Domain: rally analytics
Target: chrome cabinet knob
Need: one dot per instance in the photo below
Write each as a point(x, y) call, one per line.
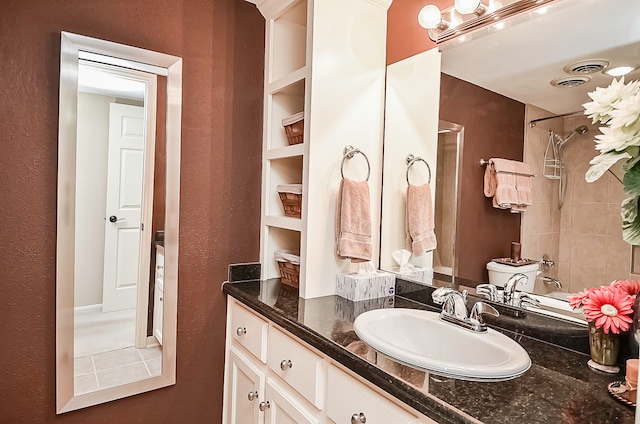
point(252, 396)
point(241, 330)
point(263, 406)
point(286, 364)
point(358, 418)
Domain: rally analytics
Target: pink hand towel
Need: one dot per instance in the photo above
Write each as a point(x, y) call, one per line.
point(523, 184)
point(353, 221)
point(505, 194)
point(419, 223)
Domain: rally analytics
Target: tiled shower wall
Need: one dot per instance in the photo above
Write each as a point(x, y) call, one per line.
point(584, 237)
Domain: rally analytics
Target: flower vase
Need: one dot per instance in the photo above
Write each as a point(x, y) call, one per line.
point(604, 349)
point(633, 335)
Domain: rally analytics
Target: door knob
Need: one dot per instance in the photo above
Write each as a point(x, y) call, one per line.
point(114, 218)
point(252, 396)
point(358, 418)
point(240, 331)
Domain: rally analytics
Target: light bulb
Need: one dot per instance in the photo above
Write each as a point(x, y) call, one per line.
point(430, 17)
point(466, 7)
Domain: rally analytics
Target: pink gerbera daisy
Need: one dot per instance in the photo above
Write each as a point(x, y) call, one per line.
point(630, 287)
point(576, 300)
point(610, 308)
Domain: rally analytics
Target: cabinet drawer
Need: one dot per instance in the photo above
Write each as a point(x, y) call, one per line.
point(249, 330)
point(298, 366)
point(347, 397)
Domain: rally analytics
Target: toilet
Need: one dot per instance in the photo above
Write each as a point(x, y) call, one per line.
point(500, 273)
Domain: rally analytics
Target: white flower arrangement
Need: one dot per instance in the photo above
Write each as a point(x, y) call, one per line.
point(618, 108)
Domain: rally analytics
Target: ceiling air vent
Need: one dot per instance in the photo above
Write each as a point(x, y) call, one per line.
point(589, 66)
point(569, 82)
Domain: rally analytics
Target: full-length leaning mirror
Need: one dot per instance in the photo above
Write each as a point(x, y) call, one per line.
point(117, 221)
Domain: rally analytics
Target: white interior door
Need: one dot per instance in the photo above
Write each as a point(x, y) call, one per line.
point(125, 172)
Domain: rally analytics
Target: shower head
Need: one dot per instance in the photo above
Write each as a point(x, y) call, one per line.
point(581, 130)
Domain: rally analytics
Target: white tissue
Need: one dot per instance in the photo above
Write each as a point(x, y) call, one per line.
point(366, 268)
point(401, 257)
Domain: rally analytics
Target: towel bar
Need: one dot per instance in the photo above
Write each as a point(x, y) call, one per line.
point(413, 159)
point(348, 153)
point(490, 162)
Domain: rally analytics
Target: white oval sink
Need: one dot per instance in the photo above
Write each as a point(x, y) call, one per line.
point(420, 339)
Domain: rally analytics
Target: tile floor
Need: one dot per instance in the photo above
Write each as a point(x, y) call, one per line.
point(96, 331)
point(104, 350)
point(113, 368)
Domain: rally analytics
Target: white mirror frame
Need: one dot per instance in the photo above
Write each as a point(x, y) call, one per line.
point(73, 47)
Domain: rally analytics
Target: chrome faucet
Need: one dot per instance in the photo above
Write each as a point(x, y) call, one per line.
point(508, 296)
point(548, 281)
point(454, 309)
point(453, 302)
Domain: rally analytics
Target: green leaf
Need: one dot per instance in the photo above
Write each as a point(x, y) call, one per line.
point(631, 221)
point(631, 181)
point(602, 162)
point(633, 161)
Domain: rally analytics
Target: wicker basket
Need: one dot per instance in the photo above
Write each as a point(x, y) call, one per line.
point(291, 197)
point(289, 265)
point(294, 128)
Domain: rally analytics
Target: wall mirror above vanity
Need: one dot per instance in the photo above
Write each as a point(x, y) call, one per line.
point(117, 221)
point(544, 62)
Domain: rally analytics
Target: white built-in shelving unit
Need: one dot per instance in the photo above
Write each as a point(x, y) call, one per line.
point(326, 58)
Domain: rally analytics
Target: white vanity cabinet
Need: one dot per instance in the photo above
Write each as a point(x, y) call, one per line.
point(247, 383)
point(272, 377)
point(158, 294)
point(348, 399)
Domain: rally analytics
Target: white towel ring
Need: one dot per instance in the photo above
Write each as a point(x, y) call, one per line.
point(413, 159)
point(348, 153)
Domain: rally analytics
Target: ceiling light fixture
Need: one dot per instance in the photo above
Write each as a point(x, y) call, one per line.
point(430, 17)
point(466, 16)
point(619, 71)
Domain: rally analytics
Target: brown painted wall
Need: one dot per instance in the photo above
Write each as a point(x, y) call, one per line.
point(405, 37)
point(493, 127)
point(221, 42)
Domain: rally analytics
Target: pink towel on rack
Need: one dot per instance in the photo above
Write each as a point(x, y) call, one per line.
point(419, 223)
point(523, 184)
point(509, 182)
point(353, 221)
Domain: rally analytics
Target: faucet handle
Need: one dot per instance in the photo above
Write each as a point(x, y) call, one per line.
point(480, 308)
point(488, 290)
point(524, 300)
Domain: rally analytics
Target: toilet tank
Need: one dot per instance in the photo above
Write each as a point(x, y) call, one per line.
point(500, 273)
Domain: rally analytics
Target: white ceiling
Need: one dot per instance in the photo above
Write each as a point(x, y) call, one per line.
point(520, 61)
point(99, 80)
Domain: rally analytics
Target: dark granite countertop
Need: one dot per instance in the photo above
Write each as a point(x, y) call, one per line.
point(558, 388)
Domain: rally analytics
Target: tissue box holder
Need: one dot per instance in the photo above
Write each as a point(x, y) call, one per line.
point(356, 287)
point(417, 275)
